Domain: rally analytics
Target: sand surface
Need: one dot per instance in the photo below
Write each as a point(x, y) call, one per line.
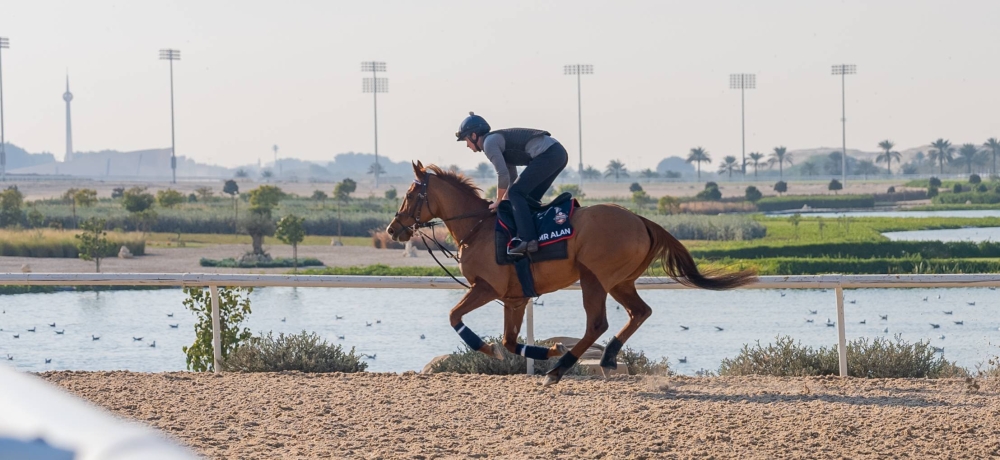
point(293, 415)
point(185, 260)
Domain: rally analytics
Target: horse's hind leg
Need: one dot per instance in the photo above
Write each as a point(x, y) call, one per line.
point(638, 312)
point(513, 318)
point(594, 302)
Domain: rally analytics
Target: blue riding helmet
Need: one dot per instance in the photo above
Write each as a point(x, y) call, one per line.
point(472, 124)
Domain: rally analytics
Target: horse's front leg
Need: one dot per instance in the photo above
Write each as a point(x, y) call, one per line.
point(512, 319)
point(480, 294)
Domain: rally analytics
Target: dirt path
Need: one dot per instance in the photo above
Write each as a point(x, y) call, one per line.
point(185, 260)
point(368, 415)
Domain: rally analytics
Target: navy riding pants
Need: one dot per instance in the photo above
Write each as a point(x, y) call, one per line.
point(533, 182)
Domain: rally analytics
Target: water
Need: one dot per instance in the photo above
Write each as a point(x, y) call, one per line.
point(746, 316)
point(953, 213)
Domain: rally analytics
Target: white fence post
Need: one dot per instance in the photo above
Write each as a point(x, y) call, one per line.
point(841, 334)
point(530, 332)
point(216, 329)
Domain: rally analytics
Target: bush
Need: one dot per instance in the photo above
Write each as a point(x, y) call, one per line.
point(962, 198)
point(275, 263)
point(876, 358)
point(635, 187)
point(835, 185)
point(752, 194)
point(636, 363)
point(982, 188)
point(892, 189)
point(932, 192)
point(975, 179)
point(769, 204)
point(469, 361)
point(640, 198)
point(934, 182)
point(781, 186)
point(136, 199)
point(709, 194)
point(668, 205)
point(571, 188)
point(234, 307)
point(957, 188)
point(900, 195)
point(54, 243)
point(711, 184)
point(303, 352)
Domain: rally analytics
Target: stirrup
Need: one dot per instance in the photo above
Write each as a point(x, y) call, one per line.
point(523, 248)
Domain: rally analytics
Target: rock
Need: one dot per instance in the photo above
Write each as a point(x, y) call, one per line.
point(334, 242)
point(124, 253)
point(430, 366)
point(25, 268)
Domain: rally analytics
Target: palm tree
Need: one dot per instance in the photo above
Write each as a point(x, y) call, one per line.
point(591, 173)
point(994, 145)
point(780, 156)
point(755, 158)
point(809, 168)
point(866, 168)
point(888, 156)
point(699, 155)
point(376, 166)
point(728, 166)
point(649, 174)
point(942, 151)
point(616, 168)
point(968, 153)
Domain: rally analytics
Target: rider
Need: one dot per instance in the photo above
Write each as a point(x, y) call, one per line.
point(542, 156)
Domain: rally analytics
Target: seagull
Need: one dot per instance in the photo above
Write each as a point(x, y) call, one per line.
point(960, 322)
point(830, 323)
point(371, 356)
point(938, 349)
point(338, 317)
point(540, 302)
point(683, 360)
point(282, 319)
point(61, 332)
point(378, 321)
point(684, 328)
point(152, 345)
point(31, 330)
point(813, 312)
point(886, 330)
point(340, 337)
point(852, 301)
point(170, 315)
point(48, 360)
point(993, 288)
point(52, 324)
point(948, 312)
point(971, 303)
point(942, 337)
point(935, 326)
point(9, 357)
point(17, 336)
point(95, 337)
point(939, 296)
point(719, 328)
point(367, 324)
point(782, 294)
point(864, 321)
point(136, 339)
point(925, 298)
point(174, 326)
point(884, 317)
point(808, 320)
point(422, 337)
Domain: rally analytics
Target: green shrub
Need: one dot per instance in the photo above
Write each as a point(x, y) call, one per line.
point(975, 179)
point(875, 358)
point(468, 361)
point(275, 263)
point(709, 194)
point(234, 307)
point(722, 227)
point(752, 194)
point(781, 186)
point(934, 182)
point(962, 198)
point(303, 352)
point(982, 188)
point(571, 188)
point(957, 189)
point(782, 203)
point(635, 187)
point(932, 192)
point(636, 363)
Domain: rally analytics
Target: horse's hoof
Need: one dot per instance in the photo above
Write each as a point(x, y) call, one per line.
point(497, 351)
point(604, 373)
point(550, 380)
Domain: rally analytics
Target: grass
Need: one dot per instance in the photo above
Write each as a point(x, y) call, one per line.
point(60, 243)
point(197, 240)
point(276, 263)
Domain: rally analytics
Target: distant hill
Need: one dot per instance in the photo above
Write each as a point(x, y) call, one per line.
point(112, 163)
point(18, 158)
point(675, 164)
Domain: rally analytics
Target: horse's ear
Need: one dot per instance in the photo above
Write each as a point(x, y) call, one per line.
point(418, 169)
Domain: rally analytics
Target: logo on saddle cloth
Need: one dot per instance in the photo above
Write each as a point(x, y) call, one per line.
point(560, 218)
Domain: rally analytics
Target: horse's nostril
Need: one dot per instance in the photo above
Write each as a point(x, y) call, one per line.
point(389, 230)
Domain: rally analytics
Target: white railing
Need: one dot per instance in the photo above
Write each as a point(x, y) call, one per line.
point(213, 281)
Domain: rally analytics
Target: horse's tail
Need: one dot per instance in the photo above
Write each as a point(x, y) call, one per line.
point(680, 266)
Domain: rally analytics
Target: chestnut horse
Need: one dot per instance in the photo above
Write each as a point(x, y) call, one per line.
point(611, 248)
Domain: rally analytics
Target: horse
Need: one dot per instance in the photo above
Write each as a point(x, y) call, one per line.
point(611, 248)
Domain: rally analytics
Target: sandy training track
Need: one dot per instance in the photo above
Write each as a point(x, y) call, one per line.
point(370, 415)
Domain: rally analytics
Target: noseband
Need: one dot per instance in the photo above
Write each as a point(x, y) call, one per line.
point(415, 211)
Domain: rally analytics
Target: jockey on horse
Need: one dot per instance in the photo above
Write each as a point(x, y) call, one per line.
point(542, 156)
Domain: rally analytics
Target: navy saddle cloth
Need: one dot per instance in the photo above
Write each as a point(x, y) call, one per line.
point(552, 222)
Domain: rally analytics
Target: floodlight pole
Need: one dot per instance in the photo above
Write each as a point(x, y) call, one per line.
point(276, 164)
point(743, 81)
point(578, 70)
point(172, 55)
point(375, 67)
point(4, 43)
point(843, 70)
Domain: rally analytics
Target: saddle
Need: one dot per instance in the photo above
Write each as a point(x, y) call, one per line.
point(552, 223)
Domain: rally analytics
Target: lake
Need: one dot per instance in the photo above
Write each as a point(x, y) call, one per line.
point(745, 316)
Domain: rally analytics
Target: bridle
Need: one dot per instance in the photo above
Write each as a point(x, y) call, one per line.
point(422, 200)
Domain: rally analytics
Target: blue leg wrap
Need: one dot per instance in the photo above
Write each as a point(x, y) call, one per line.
point(531, 351)
point(609, 359)
point(470, 338)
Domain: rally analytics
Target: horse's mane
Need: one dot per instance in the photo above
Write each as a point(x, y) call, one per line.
point(457, 179)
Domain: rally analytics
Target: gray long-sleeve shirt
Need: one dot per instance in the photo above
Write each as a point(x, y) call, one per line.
point(493, 147)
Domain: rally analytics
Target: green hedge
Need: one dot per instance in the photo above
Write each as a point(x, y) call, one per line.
point(276, 263)
point(784, 203)
point(862, 250)
point(819, 266)
point(64, 248)
point(988, 197)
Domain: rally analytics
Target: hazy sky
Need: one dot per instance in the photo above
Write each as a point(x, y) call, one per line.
point(256, 73)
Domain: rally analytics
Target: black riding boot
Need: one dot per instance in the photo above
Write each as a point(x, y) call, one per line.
point(524, 247)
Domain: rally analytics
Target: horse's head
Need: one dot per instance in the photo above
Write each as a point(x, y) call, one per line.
point(415, 209)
